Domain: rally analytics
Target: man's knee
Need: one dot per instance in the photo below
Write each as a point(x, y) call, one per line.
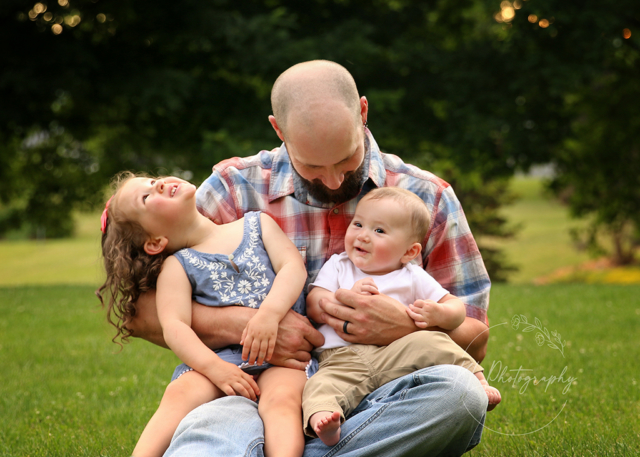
point(226, 426)
point(459, 388)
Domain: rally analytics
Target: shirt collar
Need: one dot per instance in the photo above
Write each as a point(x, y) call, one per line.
point(285, 182)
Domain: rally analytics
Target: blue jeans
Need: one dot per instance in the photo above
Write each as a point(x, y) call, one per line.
point(436, 411)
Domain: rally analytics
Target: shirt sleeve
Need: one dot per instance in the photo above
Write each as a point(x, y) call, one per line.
point(328, 275)
point(215, 199)
point(452, 256)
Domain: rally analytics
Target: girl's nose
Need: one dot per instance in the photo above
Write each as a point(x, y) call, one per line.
point(160, 185)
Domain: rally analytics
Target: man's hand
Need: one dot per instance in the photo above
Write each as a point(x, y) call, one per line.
point(218, 327)
point(296, 338)
point(381, 320)
point(373, 319)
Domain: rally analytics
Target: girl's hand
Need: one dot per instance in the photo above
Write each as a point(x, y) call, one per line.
point(259, 338)
point(233, 381)
point(425, 313)
point(365, 286)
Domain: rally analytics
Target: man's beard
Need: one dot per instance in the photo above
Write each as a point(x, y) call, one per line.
point(350, 187)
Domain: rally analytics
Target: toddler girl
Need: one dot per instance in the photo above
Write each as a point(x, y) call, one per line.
point(153, 231)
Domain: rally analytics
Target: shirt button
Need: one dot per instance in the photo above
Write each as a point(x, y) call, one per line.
point(230, 256)
point(336, 210)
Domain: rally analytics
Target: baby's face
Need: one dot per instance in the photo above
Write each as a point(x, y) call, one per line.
point(378, 236)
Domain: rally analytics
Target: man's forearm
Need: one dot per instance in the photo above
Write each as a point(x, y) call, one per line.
point(217, 327)
point(472, 336)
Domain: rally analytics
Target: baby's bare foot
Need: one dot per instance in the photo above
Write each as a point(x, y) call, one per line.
point(494, 396)
point(327, 426)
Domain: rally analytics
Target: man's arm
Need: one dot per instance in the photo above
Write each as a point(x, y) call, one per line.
point(380, 320)
point(218, 327)
point(472, 336)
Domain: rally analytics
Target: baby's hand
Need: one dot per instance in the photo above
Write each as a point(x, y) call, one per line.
point(365, 286)
point(425, 313)
point(233, 381)
point(259, 338)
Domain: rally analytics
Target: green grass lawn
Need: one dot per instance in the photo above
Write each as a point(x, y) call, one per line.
point(65, 261)
point(67, 390)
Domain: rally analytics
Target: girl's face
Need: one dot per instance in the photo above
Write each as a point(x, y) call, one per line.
point(158, 204)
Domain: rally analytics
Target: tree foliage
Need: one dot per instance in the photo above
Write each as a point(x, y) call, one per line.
point(475, 87)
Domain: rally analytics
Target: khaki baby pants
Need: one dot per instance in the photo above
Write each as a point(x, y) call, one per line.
point(348, 374)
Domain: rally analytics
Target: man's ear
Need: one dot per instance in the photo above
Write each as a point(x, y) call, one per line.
point(274, 124)
point(154, 246)
point(414, 251)
point(364, 109)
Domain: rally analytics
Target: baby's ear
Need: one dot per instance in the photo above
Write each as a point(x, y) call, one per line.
point(414, 251)
point(154, 246)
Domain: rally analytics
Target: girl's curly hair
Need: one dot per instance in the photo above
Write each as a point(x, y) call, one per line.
point(130, 270)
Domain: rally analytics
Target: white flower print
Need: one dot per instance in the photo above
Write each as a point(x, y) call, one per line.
point(247, 287)
point(244, 286)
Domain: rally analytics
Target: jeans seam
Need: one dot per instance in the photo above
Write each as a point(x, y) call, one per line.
point(256, 443)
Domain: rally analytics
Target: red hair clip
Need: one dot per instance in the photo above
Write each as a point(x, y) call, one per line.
point(105, 214)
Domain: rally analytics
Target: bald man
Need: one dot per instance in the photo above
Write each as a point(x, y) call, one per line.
point(310, 186)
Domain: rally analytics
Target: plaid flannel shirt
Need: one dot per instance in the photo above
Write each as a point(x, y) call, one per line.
point(266, 182)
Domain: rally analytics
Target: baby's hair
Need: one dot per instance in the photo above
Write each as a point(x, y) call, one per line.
point(417, 209)
point(130, 270)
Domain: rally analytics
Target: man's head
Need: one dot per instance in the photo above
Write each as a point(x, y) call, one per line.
point(387, 230)
point(320, 117)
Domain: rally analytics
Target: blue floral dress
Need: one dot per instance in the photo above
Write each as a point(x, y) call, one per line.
point(243, 278)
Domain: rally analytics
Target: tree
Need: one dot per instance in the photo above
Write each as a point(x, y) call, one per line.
point(599, 165)
point(478, 88)
point(179, 86)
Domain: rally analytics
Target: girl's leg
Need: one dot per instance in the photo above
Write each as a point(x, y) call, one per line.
point(181, 397)
point(280, 408)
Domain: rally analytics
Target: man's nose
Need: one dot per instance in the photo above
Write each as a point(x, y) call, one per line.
point(333, 179)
